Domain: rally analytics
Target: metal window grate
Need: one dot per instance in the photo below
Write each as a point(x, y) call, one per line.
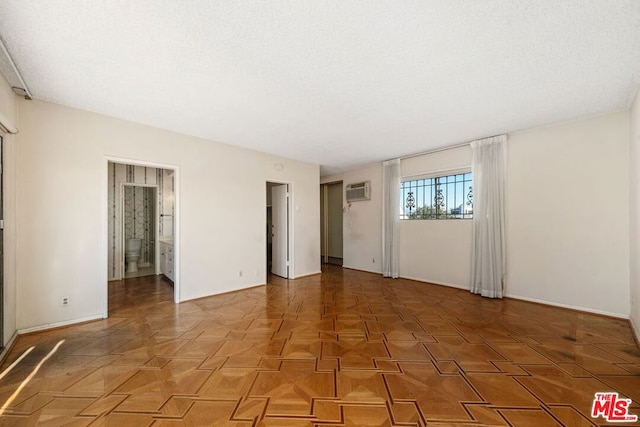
point(443, 197)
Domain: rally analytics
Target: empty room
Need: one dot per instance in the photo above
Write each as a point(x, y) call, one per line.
point(319, 213)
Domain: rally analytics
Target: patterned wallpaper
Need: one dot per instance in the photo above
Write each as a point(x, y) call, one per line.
point(135, 222)
point(139, 221)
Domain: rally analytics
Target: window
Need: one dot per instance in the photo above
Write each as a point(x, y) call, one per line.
point(442, 197)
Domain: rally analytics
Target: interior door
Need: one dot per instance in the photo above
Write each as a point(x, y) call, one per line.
point(279, 230)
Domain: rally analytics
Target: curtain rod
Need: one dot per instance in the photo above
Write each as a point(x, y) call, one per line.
point(23, 86)
point(450, 147)
point(436, 150)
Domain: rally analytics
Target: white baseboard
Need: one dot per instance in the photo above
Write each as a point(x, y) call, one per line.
point(569, 306)
point(539, 301)
point(8, 346)
point(425, 281)
point(59, 324)
point(361, 269)
point(635, 328)
point(435, 282)
point(307, 275)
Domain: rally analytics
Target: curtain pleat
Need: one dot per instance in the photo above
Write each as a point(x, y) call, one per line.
point(391, 218)
point(488, 264)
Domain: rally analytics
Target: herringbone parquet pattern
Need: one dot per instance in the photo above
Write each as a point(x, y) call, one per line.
point(343, 348)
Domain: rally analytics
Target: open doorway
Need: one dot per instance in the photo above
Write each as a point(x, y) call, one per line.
point(142, 233)
point(277, 229)
point(331, 212)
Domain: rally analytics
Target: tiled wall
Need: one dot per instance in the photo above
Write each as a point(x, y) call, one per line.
point(120, 173)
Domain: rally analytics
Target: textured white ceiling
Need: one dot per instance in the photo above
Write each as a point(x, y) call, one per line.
point(339, 83)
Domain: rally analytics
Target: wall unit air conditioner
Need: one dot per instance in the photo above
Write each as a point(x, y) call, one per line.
point(359, 191)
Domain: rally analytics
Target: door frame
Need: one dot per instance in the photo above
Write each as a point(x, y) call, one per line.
point(324, 219)
point(105, 223)
point(290, 227)
point(156, 231)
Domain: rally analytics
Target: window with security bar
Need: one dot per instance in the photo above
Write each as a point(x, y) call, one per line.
point(442, 197)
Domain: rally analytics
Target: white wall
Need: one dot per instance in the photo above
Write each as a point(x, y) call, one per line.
point(568, 214)
point(430, 251)
point(8, 107)
point(436, 251)
point(62, 210)
point(567, 218)
point(362, 221)
point(634, 232)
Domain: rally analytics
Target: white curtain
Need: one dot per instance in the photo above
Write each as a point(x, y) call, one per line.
point(488, 245)
point(390, 218)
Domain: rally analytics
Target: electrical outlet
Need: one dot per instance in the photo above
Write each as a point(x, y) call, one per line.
point(65, 301)
point(240, 273)
point(373, 260)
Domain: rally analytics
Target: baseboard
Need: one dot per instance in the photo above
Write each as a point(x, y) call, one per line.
point(307, 275)
point(635, 328)
point(362, 269)
point(435, 282)
point(570, 307)
point(59, 324)
point(7, 348)
point(428, 282)
point(231, 291)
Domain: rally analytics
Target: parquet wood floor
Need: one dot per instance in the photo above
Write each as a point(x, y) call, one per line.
point(341, 348)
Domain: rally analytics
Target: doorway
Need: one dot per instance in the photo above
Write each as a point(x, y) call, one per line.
point(277, 229)
point(331, 212)
point(156, 191)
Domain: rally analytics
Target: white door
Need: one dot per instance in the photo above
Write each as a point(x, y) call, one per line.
point(279, 231)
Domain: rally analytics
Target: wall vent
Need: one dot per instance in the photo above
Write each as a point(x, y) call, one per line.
point(359, 191)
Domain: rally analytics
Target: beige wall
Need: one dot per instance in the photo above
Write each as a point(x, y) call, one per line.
point(568, 214)
point(436, 251)
point(439, 161)
point(634, 233)
point(362, 220)
point(8, 107)
point(430, 251)
point(567, 218)
point(62, 210)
